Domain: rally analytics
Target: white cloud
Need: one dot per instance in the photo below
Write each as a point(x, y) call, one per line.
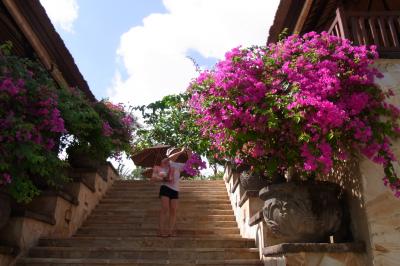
point(154, 54)
point(62, 13)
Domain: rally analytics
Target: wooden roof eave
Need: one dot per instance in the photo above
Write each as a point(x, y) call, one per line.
point(286, 16)
point(34, 23)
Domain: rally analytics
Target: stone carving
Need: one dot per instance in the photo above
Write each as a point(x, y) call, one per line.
point(302, 211)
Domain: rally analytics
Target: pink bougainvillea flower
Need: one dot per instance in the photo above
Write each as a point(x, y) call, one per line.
point(303, 102)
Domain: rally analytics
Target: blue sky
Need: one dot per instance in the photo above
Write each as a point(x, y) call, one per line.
point(96, 35)
point(136, 51)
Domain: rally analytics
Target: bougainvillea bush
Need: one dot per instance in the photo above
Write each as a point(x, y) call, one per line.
point(194, 164)
point(83, 123)
point(30, 126)
point(97, 130)
point(38, 120)
point(118, 126)
point(305, 102)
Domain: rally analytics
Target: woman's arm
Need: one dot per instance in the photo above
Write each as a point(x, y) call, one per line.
point(156, 174)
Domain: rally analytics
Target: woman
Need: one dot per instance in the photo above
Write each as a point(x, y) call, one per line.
point(170, 170)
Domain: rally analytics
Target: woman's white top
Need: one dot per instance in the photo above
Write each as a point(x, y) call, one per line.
point(176, 169)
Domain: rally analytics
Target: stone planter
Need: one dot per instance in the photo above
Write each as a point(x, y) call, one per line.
point(5, 208)
point(302, 211)
point(80, 159)
point(251, 181)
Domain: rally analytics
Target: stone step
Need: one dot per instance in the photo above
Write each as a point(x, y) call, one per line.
point(141, 217)
point(152, 234)
point(183, 193)
point(111, 252)
point(182, 187)
point(120, 232)
point(154, 195)
point(155, 212)
point(145, 189)
point(135, 223)
point(185, 182)
point(199, 194)
point(131, 262)
point(156, 206)
point(154, 225)
point(181, 184)
point(156, 199)
point(148, 242)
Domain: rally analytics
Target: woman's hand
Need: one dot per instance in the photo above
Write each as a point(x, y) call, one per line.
point(155, 176)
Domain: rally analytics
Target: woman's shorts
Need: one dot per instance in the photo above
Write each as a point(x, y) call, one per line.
point(168, 192)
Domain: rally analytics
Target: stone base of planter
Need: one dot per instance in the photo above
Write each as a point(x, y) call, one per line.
point(316, 254)
point(250, 181)
point(302, 211)
point(249, 216)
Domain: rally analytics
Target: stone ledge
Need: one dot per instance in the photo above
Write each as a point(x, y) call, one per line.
point(283, 248)
point(229, 178)
point(235, 185)
point(34, 215)
point(256, 218)
point(9, 250)
point(112, 168)
point(246, 195)
point(103, 171)
point(62, 194)
point(80, 175)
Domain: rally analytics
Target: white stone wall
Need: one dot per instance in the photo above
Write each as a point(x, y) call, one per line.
point(382, 208)
point(375, 212)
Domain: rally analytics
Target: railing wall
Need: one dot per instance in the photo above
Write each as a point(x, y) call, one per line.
point(370, 28)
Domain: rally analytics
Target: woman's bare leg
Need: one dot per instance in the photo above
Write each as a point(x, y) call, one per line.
point(163, 225)
point(172, 216)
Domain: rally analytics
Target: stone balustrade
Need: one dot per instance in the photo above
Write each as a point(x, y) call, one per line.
point(247, 208)
point(55, 213)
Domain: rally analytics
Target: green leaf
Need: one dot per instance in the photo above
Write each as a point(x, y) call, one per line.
point(304, 137)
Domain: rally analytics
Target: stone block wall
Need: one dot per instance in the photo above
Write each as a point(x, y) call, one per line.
point(57, 216)
point(382, 209)
point(374, 211)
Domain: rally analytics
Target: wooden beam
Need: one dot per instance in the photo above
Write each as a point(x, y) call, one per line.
point(35, 42)
point(303, 16)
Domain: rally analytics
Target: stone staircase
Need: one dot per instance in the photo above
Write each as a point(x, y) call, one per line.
point(122, 231)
